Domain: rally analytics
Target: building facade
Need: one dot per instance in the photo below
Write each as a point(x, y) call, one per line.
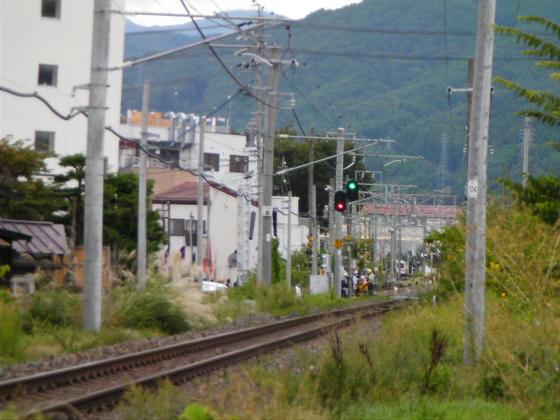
point(45, 47)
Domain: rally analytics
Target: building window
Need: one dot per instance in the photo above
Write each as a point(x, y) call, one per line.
point(48, 74)
point(190, 232)
point(212, 161)
point(238, 163)
point(44, 141)
point(50, 8)
point(177, 227)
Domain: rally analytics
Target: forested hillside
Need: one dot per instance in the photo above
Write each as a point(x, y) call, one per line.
point(379, 68)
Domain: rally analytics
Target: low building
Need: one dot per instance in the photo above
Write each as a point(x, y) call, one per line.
point(28, 245)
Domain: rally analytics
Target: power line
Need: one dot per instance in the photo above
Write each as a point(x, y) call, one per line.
point(396, 56)
point(215, 54)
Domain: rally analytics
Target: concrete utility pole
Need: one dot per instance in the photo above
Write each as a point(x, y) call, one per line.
point(314, 231)
point(268, 170)
point(527, 132)
point(289, 251)
point(331, 218)
point(93, 214)
point(475, 252)
point(141, 246)
point(338, 215)
point(260, 144)
point(200, 201)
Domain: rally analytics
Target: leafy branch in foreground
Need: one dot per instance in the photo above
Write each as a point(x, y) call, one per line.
point(548, 104)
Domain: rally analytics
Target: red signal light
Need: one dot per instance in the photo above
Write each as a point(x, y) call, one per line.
point(340, 201)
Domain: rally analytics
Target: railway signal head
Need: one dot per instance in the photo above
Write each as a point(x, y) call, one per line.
point(340, 201)
point(352, 190)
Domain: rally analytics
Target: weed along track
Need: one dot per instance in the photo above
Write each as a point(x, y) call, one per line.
point(97, 387)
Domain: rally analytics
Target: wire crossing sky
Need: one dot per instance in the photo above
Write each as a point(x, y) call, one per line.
point(294, 9)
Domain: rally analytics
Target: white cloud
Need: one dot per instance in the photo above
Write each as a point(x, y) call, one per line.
point(295, 9)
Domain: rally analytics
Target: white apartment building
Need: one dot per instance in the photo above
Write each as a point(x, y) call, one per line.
point(45, 47)
point(228, 160)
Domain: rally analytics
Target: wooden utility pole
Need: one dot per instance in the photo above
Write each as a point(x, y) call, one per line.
point(93, 213)
point(475, 252)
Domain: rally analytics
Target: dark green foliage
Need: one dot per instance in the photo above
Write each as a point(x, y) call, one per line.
point(74, 196)
point(450, 242)
point(54, 307)
point(372, 69)
point(27, 197)
point(547, 103)
point(153, 307)
point(492, 387)
point(120, 214)
point(438, 346)
point(541, 194)
point(277, 262)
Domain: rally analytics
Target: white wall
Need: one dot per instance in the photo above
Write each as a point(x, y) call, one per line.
point(26, 40)
point(223, 144)
point(223, 232)
point(299, 233)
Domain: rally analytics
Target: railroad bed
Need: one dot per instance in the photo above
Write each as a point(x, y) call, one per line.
point(93, 388)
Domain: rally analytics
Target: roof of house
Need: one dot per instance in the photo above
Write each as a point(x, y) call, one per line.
point(36, 238)
point(185, 193)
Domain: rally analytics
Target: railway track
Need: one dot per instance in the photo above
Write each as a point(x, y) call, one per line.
point(93, 388)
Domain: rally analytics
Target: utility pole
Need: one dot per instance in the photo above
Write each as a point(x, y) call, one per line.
point(289, 252)
point(331, 218)
point(338, 215)
point(268, 170)
point(475, 252)
point(93, 214)
point(526, 147)
point(312, 204)
point(141, 246)
point(314, 231)
point(260, 144)
point(200, 201)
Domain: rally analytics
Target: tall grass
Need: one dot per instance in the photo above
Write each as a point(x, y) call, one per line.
point(412, 367)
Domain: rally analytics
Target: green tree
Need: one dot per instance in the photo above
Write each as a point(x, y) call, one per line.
point(542, 194)
point(120, 214)
point(547, 103)
point(291, 152)
point(25, 196)
point(74, 194)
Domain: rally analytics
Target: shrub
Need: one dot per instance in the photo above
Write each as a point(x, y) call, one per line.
point(153, 307)
point(11, 332)
point(53, 307)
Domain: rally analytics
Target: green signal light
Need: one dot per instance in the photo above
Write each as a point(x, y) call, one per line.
point(352, 185)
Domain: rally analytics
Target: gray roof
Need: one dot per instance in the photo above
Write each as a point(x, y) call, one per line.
point(46, 237)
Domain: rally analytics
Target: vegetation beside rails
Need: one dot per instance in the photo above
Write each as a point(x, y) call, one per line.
point(412, 367)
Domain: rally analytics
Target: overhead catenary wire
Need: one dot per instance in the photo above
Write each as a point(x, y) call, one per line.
point(215, 54)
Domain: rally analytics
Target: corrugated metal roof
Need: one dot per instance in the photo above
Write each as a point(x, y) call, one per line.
point(46, 237)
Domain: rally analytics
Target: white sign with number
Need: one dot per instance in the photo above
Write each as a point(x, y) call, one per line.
point(472, 188)
point(267, 211)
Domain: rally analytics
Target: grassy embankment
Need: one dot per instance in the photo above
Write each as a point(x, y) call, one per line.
point(413, 367)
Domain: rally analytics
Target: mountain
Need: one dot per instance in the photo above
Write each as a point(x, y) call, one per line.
point(380, 68)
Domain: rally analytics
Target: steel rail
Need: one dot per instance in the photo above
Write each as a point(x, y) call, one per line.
point(108, 398)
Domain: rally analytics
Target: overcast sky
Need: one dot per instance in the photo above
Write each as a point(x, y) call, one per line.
point(295, 9)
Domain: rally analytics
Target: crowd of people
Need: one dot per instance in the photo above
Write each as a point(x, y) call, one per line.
point(361, 283)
